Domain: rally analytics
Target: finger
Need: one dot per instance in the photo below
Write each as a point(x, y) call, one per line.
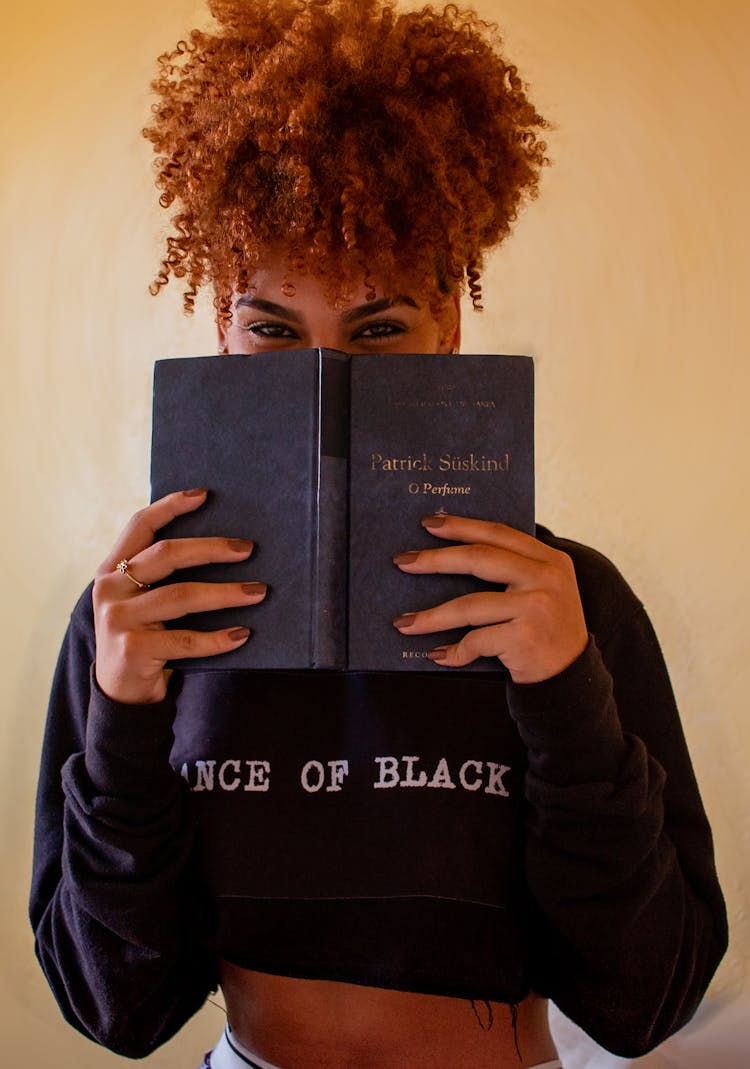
point(470, 610)
point(492, 563)
point(168, 555)
point(483, 642)
point(177, 600)
point(464, 529)
point(140, 530)
point(161, 646)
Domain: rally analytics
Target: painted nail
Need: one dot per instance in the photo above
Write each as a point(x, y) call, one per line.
point(239, 634)
point(433, 521)
point(406, 620)
point(439, 654)
point(241, 545)
point(195, 493)
point(406, 558)
point(254, 588)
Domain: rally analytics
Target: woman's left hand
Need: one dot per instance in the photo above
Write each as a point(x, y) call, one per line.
point(535, 626)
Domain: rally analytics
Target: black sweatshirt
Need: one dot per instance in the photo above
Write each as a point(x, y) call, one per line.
point(449, 833)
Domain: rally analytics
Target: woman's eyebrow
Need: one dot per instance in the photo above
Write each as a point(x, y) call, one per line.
point(373, 307)
point(270, 307)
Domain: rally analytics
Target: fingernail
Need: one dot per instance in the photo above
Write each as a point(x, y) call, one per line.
point(439, 654)
point(406, 558)
point(241, 545)
point(433, 521)
point(406, 620)
point(239, 634)
point(254, 588)
point(195, 493)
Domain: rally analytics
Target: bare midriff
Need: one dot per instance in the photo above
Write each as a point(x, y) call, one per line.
point(322, 1024)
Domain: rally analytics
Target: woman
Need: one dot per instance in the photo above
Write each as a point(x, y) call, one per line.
point(338, 172)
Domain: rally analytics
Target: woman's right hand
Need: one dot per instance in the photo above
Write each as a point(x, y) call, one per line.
point(132, 643)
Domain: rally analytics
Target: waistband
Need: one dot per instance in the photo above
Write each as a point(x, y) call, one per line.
point(229, 1054)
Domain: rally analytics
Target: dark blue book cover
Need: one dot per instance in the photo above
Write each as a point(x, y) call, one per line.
point(250, 429)
point(429, 434)
point(328, 462)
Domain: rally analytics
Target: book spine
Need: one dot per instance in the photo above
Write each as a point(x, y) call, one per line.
point(328, 626)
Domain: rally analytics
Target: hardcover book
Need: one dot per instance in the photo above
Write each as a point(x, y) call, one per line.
point(328, 462)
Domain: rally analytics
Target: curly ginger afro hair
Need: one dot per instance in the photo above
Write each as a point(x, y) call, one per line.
point(362, 138)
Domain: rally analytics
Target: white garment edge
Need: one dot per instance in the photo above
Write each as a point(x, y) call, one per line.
point(230, 1054)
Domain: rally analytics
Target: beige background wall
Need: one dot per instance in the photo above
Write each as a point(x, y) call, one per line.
point(626, 281)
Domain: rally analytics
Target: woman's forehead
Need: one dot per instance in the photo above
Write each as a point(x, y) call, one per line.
point(276, 278)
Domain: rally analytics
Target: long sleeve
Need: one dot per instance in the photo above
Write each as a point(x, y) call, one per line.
point(631, 922)
point(118, 923)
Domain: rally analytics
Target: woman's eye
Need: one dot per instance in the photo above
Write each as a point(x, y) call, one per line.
point(270, 330)
point(383, 328)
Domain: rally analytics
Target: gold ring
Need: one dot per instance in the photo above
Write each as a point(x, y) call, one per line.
point(122, 568)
